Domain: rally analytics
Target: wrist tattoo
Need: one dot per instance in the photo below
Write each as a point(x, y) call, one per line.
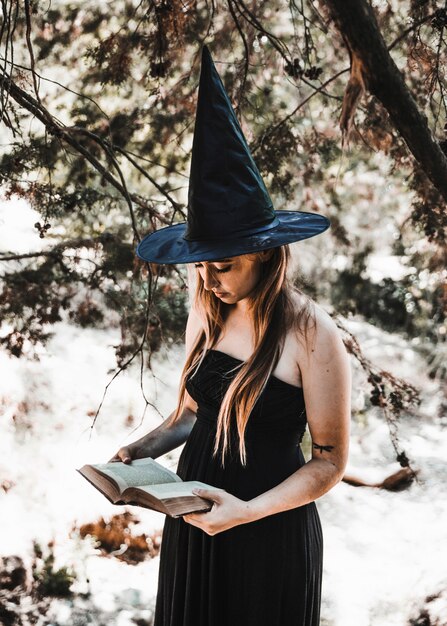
point(321, 448)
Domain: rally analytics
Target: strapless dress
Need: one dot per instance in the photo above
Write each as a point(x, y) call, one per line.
point(263, 573)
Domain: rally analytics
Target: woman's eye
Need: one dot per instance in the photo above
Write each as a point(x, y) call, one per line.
point(219, 271)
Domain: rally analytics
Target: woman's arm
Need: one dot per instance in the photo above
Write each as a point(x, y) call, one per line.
point(159, 441)
point(168, 435)
point(326, 379)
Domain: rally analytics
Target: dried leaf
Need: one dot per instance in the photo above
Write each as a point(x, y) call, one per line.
point(400, 480)
point(353, 92)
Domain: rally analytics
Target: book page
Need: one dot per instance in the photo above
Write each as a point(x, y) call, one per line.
point(174, 490)
point(139, 472)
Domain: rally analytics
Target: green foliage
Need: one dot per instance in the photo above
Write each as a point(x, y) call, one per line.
point(112, 59)
point(429, 214)
point(274, 158)
point(31, 300)
point(50, 581)
point(387, 303)
point(109, 159)
point(169, 315)
point(394, 305)
point(382, 303)
point(163, 322)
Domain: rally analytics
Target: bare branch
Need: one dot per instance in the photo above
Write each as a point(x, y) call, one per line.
point(175, 205)
point(409, 30)
point(246, 49)
point(139, 350)
point(273, 129)
point(55, 82)
point(29, 45)
point(276, 42)
point(79, 242)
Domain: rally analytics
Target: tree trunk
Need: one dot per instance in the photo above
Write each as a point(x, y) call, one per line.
point(358, 25)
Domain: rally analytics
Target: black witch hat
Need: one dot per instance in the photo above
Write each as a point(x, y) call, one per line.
point(229, 209)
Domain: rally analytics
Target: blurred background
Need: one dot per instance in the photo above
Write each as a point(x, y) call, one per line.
point(345, 113)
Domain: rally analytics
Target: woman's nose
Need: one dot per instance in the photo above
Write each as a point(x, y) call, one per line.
point(209, 280)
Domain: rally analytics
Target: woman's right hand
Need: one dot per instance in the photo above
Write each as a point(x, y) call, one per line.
point(125, 454)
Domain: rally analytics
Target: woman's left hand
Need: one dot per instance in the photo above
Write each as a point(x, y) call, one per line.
point(227, 511)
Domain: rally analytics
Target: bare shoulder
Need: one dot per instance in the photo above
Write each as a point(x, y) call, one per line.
point(317, 332)
point(325, 327)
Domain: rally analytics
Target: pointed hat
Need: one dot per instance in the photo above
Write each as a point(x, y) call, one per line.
point(229, 209)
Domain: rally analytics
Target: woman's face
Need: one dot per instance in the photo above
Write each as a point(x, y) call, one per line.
point(233, 279)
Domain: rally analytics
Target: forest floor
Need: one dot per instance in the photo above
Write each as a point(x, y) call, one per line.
point(382, 550)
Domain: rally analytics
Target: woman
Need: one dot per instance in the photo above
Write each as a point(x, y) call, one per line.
point(262, 361)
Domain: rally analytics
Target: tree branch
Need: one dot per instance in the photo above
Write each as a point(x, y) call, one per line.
point(401, 396)
point(29, 45)
point(410, 29)
point(275, 127)
point(358, 25)
point(65, 134)
point(80, 242)
point(275, 41)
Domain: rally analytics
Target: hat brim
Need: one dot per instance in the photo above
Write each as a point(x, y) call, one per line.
point(167, 246)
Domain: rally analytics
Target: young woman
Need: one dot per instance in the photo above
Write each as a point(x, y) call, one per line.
point(266, 355)
point(262, 361)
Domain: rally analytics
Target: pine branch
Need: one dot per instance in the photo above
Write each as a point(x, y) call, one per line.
point(139, 350)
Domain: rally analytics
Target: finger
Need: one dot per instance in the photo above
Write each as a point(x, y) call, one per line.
point(209, 494)
point(198, 516)
point(205, 527)
point(124, 455)
point(121, 456)
point(190, 520)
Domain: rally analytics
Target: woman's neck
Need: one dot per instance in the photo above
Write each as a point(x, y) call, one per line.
point(237, 335)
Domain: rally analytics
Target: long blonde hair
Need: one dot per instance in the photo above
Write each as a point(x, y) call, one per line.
point(273, 314)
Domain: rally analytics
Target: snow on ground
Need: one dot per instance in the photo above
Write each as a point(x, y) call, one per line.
point(46, 434)
point(381, 549)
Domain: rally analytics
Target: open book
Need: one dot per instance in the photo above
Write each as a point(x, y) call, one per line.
point(148, 484)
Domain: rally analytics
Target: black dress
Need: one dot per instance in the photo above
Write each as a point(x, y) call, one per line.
point(263, 573)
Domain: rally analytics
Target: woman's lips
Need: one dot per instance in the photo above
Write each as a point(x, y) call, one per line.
point(220, 294)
